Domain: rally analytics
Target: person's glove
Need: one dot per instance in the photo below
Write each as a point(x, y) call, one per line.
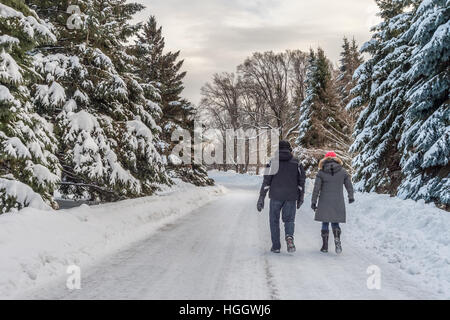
point(299, 203)
point(314, 206)
point(351, 200)
point(260, 204)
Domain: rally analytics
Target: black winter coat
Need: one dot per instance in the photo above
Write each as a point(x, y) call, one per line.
point(285, 181)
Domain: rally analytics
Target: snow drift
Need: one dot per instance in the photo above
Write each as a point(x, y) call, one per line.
point(411, 235)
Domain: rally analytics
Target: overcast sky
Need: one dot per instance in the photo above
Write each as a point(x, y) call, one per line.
point(217, 35)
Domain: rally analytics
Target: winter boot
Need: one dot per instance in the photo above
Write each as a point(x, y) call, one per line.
point(290, 244)
point(325, 234)
point(337, 240)
point(275, 250)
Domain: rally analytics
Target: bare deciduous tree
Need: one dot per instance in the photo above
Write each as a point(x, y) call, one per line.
point(265, 94)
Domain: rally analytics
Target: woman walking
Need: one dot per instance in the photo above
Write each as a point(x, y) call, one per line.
point(328, 189)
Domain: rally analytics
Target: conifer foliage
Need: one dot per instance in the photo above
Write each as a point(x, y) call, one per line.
point(104, 121)
point(29, 169)
point(324, 123)
point(403, 132)
point(425, 141)
point(78, 112)
point(351, 59)
point(163, 72)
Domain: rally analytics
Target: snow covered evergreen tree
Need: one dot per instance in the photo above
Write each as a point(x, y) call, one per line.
point(380, 90)
point(163, 72)
point(105, 123)
point(425, 138)
point(149, 48)
point(351, 59)
point(29, 170)
point(402, 134)
point(323, 123)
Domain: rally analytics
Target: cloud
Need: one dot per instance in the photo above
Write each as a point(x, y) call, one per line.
point(217, 35)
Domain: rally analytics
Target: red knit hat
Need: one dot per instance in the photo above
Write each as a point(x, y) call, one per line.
point(331, 155)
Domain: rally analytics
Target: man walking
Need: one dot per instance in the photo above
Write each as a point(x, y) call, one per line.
point(286, 187)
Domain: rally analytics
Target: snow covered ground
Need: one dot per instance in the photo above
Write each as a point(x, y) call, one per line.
point(151, 248)
point(410, 235)
point(37, 246)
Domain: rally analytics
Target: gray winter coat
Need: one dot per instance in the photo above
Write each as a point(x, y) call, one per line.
point(328, 188)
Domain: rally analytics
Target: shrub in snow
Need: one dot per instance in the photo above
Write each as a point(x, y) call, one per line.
point(195, 174)
point(15, 195)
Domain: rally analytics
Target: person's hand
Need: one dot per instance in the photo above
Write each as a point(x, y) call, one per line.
point(351, 200)
point(299, 204)
point(313, 206)
point(260, 204)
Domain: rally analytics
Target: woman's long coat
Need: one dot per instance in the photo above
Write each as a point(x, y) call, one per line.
point(328, 188)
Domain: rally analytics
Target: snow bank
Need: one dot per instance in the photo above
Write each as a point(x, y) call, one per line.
point(412, 235)
point(37, 245)
point(23, 195)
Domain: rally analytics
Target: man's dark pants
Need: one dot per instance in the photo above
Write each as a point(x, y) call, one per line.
point(287, 210)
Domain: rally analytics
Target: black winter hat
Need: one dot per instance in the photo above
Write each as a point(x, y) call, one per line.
point(285, 145)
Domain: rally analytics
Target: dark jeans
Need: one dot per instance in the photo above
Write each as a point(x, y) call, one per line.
point(288, 209)
point(325, 226)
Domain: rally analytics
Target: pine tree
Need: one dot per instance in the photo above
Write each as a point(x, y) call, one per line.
point(29, 171)
point(425, 138)
point(163, 72)
point(402, 134)
point(323, 123)
point(350, 60)
point(149, 48)
point(176, 111)
point(380, 91)
point(311, 96)
point(104, 121)
point(344, 75)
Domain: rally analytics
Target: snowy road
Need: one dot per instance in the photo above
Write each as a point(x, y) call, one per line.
point(221, 251)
